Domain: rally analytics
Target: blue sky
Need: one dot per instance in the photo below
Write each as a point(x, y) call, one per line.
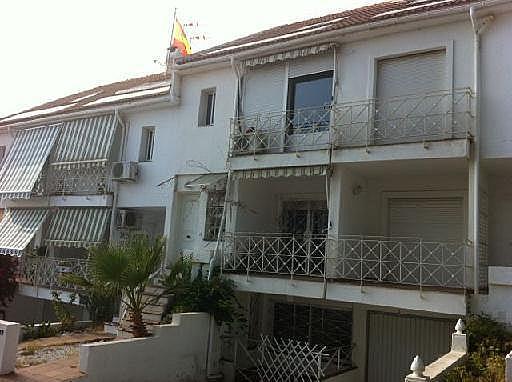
point(53, 48)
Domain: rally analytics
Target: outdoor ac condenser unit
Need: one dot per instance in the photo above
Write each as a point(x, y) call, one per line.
point(125, 171)
point(126, 219)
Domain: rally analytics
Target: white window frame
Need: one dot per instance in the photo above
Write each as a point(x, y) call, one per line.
point(206, 117)
point(147, 144)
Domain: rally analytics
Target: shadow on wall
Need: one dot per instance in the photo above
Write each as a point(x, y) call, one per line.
point(176, 353)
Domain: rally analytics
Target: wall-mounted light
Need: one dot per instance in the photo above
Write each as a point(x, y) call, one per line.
point(357, 189)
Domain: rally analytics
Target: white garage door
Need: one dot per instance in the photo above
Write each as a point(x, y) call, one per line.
point(394, 340)
point(431, 219)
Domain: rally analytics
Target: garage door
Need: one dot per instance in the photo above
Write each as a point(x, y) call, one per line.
point(394, 340)
point(432, 219)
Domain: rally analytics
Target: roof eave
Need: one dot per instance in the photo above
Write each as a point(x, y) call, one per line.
point(328, 36)
point(88, 111)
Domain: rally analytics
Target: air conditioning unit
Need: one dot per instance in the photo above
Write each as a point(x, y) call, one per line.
point(125, 171)
point(126, 219)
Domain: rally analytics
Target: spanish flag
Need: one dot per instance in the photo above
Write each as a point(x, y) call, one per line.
point(179, 39)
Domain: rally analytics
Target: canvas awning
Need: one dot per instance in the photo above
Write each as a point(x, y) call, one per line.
point(25, 161)
point(280, 172)
point(217, 181)
point(85, 142)
point(288, 55)
point(78, 227)
point(18, 227)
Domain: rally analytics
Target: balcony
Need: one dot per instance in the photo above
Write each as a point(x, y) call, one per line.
point(86, 180)
point(46, 272)
point(415, 118)
point(368, 260)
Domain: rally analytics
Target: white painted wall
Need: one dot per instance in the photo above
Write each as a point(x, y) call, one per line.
point(180, 145)
point(496, 80)
point(175, 353)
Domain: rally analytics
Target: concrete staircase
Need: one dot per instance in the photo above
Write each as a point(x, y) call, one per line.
point(152, 314)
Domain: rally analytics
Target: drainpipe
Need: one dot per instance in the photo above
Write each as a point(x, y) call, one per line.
point(115, 185)
point(479, 26)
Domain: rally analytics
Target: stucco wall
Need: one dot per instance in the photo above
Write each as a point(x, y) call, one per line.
point(176, 353)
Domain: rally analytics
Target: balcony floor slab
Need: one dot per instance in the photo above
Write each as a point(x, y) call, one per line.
point(453, 148)
point(452, 302)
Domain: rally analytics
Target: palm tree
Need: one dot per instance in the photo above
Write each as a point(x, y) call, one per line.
point(125, 271)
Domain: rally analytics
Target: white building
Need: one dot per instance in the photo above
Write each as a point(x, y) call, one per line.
point(359, 162)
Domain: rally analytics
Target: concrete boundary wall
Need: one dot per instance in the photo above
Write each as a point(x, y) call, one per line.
point(176, 353)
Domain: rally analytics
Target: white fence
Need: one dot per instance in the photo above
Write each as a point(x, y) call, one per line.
point(413, 118)
point(278, 359)
point(46, 272)
point(365, 259)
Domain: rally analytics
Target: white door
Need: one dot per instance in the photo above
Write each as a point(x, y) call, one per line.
point(431, 219)
point(188, 222)
point(394, 340)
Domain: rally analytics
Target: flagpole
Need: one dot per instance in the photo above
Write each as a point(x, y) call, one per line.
point(168, 57)
point(173, 23)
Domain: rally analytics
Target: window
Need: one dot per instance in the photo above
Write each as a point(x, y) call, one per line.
point(309, 101)
point(147, 144)
point(207, 108)
point(315, 325)
point(214, 209)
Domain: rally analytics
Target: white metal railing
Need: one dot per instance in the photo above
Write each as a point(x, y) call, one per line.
point(282, 359)
point(274, 253)
point(412, 118)
point(406, 261)
point(86, 180)
point(290, 130)
point(46, 272)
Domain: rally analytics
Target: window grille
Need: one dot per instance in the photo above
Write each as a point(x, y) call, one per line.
point(315, 325)
point(214, 209)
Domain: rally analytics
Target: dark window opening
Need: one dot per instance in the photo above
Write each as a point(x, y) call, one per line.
point(315, 325)
point(309, 102)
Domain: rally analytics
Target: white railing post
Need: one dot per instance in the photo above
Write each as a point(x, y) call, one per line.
point(508, 367)
point(417, 368)
point(459, 340)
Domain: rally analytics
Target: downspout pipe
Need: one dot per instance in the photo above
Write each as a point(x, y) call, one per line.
point(479, 26)
point(115, 185)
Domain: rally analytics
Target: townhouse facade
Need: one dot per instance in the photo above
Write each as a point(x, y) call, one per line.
point(349, 173)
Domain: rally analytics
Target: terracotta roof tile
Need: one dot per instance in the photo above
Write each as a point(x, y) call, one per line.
point(111, 94)
point(336, 21)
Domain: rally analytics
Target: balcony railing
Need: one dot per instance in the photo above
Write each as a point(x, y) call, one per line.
point(91, 180)
point(414, 118)
point(275, 254)
point(405, 261)
point(46, 272)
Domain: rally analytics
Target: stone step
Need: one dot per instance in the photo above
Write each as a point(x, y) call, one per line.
point(151, 318)
point(153, 290)
point(154, 309)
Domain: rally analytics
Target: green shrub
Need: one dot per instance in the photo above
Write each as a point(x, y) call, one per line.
point(63, 312)
point(488, 345)
point(43, 330)
point(198, 294)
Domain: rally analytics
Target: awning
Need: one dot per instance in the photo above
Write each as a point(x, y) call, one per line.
point(78, 227)
point(288, 55)
point(25, 161)
point(217, 181)
point(280, 172)
point(85, 142)
point(18, 227)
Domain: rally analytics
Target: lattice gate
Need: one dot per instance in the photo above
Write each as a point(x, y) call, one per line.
point(288, 360)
